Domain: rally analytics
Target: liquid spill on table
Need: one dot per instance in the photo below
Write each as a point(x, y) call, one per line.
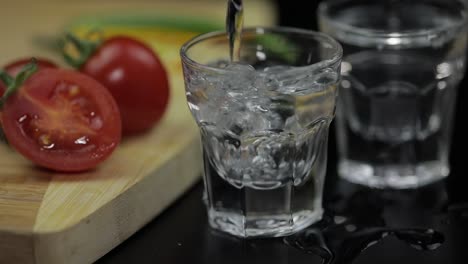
point(358, 218)
point(339, 239)
point(361, 226)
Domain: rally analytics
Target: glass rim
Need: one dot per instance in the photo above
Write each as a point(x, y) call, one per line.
point(373, 33)
point(319, 36)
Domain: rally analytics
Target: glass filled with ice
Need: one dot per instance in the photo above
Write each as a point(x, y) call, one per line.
point(401, 66)
point(264, 126)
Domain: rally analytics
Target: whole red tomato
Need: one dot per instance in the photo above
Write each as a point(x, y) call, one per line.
point(136, 78)
point(62, 120)
point(15, 67)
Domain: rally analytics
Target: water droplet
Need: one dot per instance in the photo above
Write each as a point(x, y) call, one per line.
point(193, 107)
point(50, 146)
point(421, 239)
point(261, 108)
point(345, 84)
point(442, 85)
point(297, 181)
point(82, 140)
point(350, 228)
point(22, 118)
point(339, 219)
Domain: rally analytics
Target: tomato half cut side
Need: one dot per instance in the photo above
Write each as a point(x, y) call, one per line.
point(62, 120)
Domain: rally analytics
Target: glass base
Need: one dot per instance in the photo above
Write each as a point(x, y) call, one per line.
point(265, 226)
point(393, 176)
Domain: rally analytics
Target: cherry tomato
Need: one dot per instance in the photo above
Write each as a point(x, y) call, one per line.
point(15, 67)
point(62, 120)
point(136, 79)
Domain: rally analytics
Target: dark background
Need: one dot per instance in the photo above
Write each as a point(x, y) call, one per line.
point(181, 234)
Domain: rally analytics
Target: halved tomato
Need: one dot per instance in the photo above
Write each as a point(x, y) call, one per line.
point(62, 120)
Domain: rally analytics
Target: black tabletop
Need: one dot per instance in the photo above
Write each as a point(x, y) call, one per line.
point(428, 225)
point(361, 225)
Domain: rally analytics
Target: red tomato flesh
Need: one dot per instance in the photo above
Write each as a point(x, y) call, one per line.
point(62, 120)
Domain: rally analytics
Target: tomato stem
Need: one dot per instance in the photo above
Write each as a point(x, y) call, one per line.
point(85, 49)
point(13, 84)
point(6, 78)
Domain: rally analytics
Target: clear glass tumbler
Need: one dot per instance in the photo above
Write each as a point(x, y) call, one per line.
point(264, 126)
point(401, 66)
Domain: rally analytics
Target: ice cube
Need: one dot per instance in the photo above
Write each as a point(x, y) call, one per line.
point(298, 80)
point(239, 77)
point(271, 77)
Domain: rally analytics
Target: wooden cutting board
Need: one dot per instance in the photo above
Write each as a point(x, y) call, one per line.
point(47, 217)
point(53, 218)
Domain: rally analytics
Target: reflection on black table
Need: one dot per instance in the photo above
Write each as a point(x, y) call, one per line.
point(434, 218)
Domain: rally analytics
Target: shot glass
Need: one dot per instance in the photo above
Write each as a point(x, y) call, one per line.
point(401, 66)
point(264, 126)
